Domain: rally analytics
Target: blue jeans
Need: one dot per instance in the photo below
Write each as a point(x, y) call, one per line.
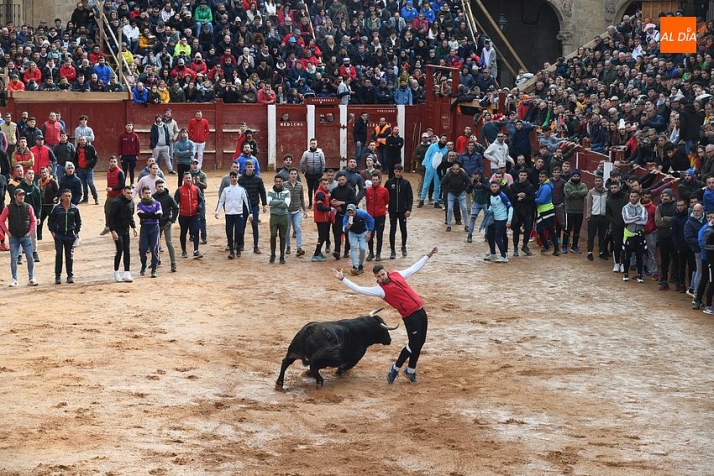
point(26, 243)
point(357, 240)
point(475, 210)
point(430, 177)
point(86, 176)
point(451, 198)
point(295, 220)
point(149, 241)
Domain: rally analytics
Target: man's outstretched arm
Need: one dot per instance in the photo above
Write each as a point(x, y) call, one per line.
point(419, 264)
point(375, 291)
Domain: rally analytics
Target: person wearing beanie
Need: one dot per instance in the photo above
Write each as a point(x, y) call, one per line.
point(689, 186)
point(575, 193)
point(663, 220)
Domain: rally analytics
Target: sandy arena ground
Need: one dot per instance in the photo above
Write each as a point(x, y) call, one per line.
point(545, 365)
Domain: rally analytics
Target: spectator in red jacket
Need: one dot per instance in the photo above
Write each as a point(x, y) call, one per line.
point(33, 73)
point(67, 70)
point(266, 95)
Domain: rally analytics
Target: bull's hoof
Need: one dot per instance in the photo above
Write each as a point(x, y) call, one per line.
point(319, 383)
point(278, 385)
point(340, 372)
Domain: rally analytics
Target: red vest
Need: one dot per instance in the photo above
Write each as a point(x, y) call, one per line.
point(320, 216)
point(401, 296)
point(53, 130)
point(113, 182)
point(189, 200)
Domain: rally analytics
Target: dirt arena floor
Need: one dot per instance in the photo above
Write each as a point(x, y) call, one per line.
point(545, 365)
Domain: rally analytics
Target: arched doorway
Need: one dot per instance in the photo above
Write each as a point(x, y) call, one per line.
point(532, 28)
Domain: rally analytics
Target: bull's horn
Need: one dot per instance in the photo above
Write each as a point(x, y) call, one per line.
point(384, 326)
point(374, 313)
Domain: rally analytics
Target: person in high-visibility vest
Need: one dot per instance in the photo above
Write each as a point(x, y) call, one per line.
point(380, 134)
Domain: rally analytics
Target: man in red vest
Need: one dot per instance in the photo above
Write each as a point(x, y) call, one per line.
point(393, 288)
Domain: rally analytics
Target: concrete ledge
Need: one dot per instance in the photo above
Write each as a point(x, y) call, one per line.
point(25, 97)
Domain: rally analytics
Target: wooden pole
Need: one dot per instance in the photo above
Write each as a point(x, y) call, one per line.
point(501, 35)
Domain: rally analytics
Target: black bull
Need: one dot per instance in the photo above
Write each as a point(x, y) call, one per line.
point(340, 344)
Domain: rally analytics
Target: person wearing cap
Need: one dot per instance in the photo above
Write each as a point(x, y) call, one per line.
point(71, 182)
point(44, 157)
point(65, 223)
point(18, 222)
point(358, 226)
point(203, 16)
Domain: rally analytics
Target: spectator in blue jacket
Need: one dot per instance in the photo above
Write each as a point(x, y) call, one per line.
point(140, 95)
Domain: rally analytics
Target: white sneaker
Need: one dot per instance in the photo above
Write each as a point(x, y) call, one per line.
point(502, 259)
point(490, 257)
point(127, 277)
point(117, 276)
point(616, 268)
point(33, 282)
point(13, 283)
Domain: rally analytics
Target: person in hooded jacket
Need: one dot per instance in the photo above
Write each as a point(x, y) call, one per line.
point(500, 206)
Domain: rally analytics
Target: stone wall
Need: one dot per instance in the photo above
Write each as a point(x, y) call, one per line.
point(48, 10)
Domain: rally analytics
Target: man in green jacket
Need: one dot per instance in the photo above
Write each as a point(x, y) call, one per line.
point(278, 201)
point(575, 192)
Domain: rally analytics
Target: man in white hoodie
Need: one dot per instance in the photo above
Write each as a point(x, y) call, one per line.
point(233, 199)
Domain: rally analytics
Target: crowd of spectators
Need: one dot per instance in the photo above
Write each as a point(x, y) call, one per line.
point(621, 94)
point(360, 51)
